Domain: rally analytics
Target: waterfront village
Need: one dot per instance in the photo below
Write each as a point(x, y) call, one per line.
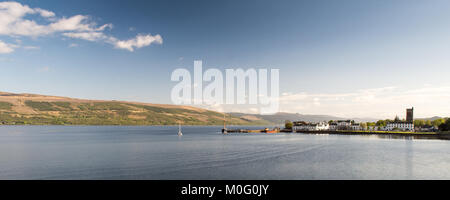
point(396, 126)
point(345, 125)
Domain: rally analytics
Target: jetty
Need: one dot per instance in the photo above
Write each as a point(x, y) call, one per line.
point(225, 130)
point(265, 130)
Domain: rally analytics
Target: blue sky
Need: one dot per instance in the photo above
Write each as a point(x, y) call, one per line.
point(344, 58)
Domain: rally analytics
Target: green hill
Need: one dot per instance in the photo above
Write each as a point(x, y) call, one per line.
point(30, 109)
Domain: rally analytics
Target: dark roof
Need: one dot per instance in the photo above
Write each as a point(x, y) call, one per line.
point(401, 122)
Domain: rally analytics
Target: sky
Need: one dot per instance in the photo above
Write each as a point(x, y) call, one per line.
point(372, 58)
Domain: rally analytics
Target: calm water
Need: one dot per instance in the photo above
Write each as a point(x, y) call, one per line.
point(55, 152)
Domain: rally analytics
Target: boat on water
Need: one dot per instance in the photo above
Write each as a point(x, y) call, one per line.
point(179, 130)
point(272, 131)
point(224, 130)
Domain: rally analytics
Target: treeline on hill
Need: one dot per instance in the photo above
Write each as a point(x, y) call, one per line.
point(108, 113)
point(443, 123)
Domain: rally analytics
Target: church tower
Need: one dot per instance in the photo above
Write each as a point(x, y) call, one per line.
point(410, 114)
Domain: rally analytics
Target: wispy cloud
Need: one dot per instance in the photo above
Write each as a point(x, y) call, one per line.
point(14, 21)
point(379, 103)
point(90, 36)
point(72, 45)
point(137, 42)
point(31, 48)
point(6, 48)
point(385, 102)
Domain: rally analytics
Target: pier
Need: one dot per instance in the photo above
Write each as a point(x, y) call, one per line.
point(266, 130)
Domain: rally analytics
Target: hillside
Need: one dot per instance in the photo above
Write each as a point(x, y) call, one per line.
point(430, 118)
point(35, 109)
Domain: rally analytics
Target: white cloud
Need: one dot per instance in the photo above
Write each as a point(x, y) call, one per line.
point(138, 42)
point(13, 22)
point(377, 103)
point(386, 102)
point(6, 48)
point(31, 47)
point(90, 36)
point(75, 23)
point(73, 45)
point(45, 13)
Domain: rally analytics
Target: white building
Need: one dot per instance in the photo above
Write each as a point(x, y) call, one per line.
point(403, 126)
point(356, 127)
point(333, 126)
point(318, 126)
point(299, 126)
point(304, 126)
point(344, 123)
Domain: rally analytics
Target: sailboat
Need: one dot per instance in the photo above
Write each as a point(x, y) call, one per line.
point(224, 130)
point(179, 130)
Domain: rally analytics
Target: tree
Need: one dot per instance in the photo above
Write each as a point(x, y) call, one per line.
point(364, 126)
point(288, 124)
point(419, 122)
point(371, 123)
point(438, 122)
point(381, 123)
point(445, 126)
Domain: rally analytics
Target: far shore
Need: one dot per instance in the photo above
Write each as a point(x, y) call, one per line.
point(431, 135)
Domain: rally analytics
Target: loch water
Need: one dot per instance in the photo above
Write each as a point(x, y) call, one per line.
point(158, 153)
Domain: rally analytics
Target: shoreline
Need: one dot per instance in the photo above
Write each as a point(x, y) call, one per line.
point(175, 125)
point(435, 135)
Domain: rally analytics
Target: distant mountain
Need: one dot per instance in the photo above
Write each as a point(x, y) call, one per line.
point(431, 118)
point(279, 118)
point(51, 110)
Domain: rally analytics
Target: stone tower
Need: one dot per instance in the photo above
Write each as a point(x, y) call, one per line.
point(410, 114)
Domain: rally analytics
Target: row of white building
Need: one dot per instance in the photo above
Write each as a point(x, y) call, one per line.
point(407, 125)
point(321, 126)
point(350, 125)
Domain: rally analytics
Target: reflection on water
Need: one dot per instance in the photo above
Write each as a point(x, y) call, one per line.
point(395, 136)
point(403, 137)
point(108, 152)
point(408, 157)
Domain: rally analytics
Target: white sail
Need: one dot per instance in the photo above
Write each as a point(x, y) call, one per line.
point(179, 130)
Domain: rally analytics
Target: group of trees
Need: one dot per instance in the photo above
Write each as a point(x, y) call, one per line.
point(445, 126)
point(417, 122)
point(437, 122)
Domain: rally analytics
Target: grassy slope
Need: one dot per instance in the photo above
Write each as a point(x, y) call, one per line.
point(47, 110)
